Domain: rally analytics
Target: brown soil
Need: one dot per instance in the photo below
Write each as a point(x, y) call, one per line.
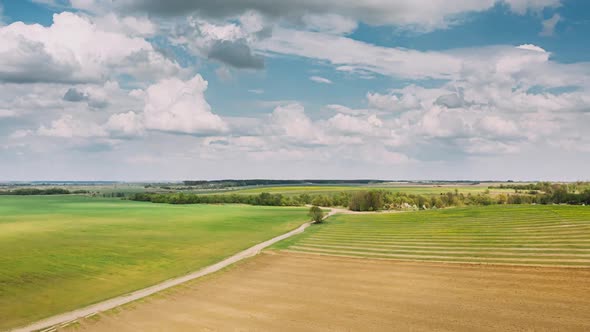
point(301, 292)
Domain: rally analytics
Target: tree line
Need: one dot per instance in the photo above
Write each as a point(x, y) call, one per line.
point(374, 200)
point(380, 200)
point(269, 182)
point(546, 187)
point(185, 198)
point(36, 191)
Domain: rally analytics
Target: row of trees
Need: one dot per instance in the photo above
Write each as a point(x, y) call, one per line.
point(338, 199)
point(545, 187)
point(373, 200)
point(378, 200)
point(36, 191)
point(182, 198)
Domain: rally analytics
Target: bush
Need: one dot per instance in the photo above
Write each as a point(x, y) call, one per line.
point(316, 214)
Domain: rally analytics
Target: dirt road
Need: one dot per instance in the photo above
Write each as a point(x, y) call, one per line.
point(301, 292)
point(118, 301)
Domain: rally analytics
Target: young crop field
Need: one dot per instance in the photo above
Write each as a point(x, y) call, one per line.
point(64, 252)
point(332, 189)
point(521, 235)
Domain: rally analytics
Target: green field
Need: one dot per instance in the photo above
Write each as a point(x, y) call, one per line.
point(537, 235)
point(63, 252)
point(332, 189)
point(288, 190)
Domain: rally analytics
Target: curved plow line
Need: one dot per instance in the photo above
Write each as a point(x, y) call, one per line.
point(447, 261)
point(438, 224)
point(435, 256)
point(583, 237)
point(473, 241)
point(473, 248)
point(468, 225)
point(492, 230)
point(488, 252)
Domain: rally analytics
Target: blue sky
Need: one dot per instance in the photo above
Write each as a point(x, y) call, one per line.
point(133, 90)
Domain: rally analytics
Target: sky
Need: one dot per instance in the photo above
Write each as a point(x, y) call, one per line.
point(146, 90)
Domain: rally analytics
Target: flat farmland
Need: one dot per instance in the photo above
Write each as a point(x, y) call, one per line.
point(521, 235)
point(63, 252)
point(332, 189)
point(280, 291)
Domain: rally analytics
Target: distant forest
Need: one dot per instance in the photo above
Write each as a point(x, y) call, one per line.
point(266, 182)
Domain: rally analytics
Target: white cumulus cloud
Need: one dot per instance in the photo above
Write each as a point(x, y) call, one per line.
point(69, 127)
point(72, 50)
point(174, 105)
point(126, 124)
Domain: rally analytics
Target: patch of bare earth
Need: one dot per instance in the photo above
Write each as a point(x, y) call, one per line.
point(303, 292)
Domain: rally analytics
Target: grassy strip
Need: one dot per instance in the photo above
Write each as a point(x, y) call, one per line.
point(438, 248)
point(452, 251)
point(418, 254)
point(446, 260)
point(508, 234)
